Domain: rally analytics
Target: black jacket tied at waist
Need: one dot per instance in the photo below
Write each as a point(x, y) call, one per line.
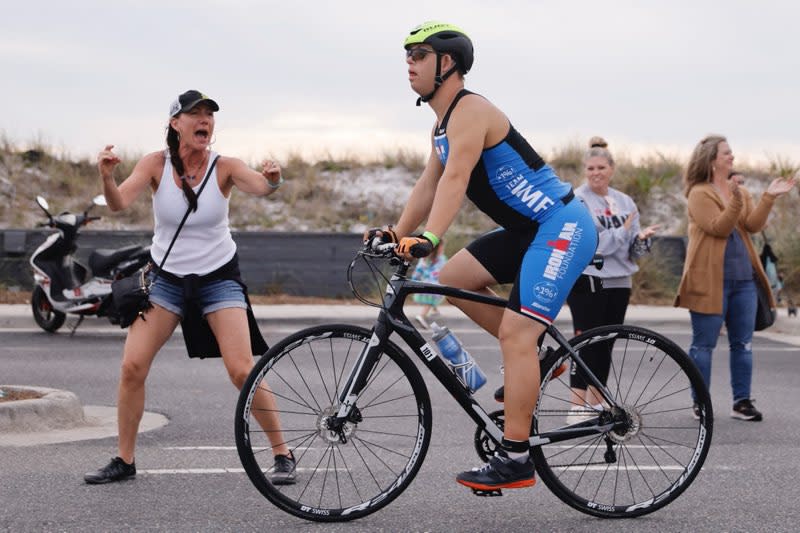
point(197, 335)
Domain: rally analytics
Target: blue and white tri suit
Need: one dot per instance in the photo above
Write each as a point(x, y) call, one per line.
point(545, 239)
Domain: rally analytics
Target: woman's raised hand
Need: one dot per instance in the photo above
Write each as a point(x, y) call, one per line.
point(271, 171)
point(106, 161)
point(648, 232)
point(781, 186)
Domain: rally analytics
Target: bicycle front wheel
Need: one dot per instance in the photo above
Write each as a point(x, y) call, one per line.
point(339, 475)
point(649, 460)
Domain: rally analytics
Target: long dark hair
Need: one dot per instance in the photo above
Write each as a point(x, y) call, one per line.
point(700, 169)
point(173, 143)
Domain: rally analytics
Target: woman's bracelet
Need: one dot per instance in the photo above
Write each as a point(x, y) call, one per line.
point(274, 186)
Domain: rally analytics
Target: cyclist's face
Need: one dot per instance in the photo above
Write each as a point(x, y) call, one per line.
point(196, 126)
point(421, 61)
point(598, 171)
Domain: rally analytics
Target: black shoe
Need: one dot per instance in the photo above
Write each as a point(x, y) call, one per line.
point(696, 411)
point(502, 472)
point(285, 470)
point(116, 470)
point(744, 410)
point(500, 394)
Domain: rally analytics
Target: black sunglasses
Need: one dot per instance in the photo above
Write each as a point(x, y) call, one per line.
point(418, 53)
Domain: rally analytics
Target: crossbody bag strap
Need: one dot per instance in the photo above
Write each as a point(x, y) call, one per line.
point(188, 212)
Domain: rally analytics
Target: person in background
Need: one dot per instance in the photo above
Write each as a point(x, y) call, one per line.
point(722, 265)
point(600, 297)
point(427, 270)
point(201, 273)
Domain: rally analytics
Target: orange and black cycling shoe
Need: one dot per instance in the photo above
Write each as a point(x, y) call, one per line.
point(501, 472)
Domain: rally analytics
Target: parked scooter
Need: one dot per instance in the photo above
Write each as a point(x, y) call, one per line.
point(63, 285)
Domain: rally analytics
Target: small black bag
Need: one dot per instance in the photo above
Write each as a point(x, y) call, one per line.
point(131, 297)
point(586, 284)
point(765, 314)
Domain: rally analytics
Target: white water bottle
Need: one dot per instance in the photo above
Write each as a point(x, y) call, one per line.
point(460, 360)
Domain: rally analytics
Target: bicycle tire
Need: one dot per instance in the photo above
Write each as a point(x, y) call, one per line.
point(639, 469)
point(336, 481)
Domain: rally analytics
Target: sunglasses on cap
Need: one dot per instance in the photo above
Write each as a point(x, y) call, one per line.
point(418, 53)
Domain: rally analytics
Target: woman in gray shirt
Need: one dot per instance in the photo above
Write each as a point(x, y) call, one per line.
point(600, 297)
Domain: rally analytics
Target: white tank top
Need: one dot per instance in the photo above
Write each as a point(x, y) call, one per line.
point(204, 243)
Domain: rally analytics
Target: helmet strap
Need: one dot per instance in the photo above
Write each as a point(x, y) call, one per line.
point(438, 80)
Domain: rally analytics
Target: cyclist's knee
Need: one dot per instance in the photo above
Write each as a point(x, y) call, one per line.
point(520, 334)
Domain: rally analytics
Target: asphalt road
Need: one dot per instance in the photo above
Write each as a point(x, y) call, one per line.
point(749, 482)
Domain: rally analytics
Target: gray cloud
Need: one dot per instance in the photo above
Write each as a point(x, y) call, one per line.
point(317, 76)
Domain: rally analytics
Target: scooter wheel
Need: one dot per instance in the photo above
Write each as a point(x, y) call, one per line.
point(43, 313)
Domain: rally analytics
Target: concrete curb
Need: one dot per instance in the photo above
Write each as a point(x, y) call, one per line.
point(59, 417)
point(56, 409)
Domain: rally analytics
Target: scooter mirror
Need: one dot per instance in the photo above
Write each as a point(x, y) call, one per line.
point(42, 203)
point(99, 200)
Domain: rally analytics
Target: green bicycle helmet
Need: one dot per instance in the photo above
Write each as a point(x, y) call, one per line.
point(444, 38)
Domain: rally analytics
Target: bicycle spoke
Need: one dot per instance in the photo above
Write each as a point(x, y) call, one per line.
point(303, 379)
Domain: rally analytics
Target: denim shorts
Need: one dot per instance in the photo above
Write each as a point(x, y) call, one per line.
point(216, 295)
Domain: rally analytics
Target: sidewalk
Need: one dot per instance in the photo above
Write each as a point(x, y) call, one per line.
point(786, 329)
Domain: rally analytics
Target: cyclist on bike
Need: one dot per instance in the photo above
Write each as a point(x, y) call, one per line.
point(545, 240)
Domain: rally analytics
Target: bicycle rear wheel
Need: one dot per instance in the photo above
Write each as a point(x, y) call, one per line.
point(385, 442)
point(644, 464)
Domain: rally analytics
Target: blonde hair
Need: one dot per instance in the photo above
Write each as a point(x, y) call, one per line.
point(701, 162)
point(598, 147)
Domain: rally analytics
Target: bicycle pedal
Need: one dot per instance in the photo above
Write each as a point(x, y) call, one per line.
point(487, 493)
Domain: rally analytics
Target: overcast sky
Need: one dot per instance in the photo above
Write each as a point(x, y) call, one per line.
point(314, 76)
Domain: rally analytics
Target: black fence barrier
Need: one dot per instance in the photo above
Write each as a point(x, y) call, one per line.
point(297, 264)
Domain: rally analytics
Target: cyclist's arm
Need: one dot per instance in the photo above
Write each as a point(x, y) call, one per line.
point(466, 133)
point(119, 197)
point(421, 199)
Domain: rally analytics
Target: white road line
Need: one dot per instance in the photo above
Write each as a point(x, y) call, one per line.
point(615, 466)
point(200, 448)
point(303, 448)
point(203, 471)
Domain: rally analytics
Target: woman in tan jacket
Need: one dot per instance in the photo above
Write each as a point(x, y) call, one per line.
point(722, 266)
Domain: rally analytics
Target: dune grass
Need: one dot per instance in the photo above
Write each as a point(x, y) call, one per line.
point(349, 194)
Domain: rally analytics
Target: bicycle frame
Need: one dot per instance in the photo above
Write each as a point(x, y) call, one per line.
point(392, 319)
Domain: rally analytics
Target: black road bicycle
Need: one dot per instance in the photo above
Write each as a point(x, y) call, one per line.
point(356, 413)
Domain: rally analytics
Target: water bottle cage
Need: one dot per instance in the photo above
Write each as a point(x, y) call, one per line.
point(466, 365)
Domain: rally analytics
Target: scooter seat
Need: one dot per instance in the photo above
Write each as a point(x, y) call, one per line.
point(103, 260)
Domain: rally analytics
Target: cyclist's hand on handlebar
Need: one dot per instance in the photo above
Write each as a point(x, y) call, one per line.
point(106, 161)
point(383, 235)
point(410, 247)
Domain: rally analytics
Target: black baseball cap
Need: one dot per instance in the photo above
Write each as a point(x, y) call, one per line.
point(188, 100)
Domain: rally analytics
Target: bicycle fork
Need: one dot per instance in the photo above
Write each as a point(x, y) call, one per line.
point(348, 413)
